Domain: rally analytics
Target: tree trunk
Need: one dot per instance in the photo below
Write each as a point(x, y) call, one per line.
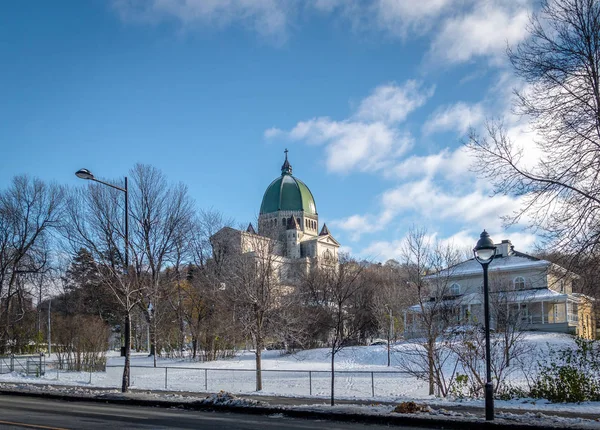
point(332, 378)
point(431, 368)
point(126, 366)
point(258, 366)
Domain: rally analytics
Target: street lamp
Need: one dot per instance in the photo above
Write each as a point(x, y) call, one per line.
point(86, 174)
point(484, 252)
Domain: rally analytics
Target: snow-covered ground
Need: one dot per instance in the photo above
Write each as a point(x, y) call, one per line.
point(360, 372)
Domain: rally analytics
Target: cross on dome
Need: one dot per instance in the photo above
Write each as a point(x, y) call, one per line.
point(286, 169)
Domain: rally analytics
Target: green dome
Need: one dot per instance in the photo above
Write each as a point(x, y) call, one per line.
point(287, 193)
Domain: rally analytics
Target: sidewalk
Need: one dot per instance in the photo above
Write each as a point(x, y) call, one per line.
point(451, 416)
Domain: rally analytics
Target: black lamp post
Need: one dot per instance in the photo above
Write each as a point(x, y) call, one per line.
point(86, 174)
point(484, 252)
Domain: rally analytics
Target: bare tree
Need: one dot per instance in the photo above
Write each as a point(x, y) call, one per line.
point(560, 63)
point(390, 298)
point(254, 287)
point(332, 288)
point(162, 218)
point(94, 220)
point(429, 269)
point(29, 211)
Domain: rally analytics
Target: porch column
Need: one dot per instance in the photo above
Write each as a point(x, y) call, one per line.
point(567, 311)
point(404, 317)
point(542, 312)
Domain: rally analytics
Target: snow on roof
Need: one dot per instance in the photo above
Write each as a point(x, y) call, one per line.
point(498, 264)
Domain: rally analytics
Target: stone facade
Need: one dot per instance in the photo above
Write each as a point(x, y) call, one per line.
point(288, 228)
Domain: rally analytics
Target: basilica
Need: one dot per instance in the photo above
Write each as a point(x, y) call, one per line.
point(288, 226)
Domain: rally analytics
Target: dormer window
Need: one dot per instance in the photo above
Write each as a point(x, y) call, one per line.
point(519, 283)
point(455, 289)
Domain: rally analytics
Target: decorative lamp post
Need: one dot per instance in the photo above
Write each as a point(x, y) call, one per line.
point(484, 252)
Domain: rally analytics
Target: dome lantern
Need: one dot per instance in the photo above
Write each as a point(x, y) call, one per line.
point(288, 193)
point(286, 169)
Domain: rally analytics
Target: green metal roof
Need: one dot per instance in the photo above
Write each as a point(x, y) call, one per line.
point(287, 193)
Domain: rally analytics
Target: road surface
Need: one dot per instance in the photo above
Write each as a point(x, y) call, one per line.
point(36, 413)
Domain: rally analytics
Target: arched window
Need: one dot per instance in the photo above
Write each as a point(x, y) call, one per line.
point(282, 221)
point(455, 289)
point(519, 283)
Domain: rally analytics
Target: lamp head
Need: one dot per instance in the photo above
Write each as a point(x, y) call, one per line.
point(84, 174)
point(485, 250)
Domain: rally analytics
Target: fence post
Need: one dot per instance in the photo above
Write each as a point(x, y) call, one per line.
point(372, 384)
point(310, 383)
point(166, 377)
point(12, 362)
point(205, 379)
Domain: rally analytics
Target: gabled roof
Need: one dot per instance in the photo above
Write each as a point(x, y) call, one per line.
point(498, 264)
point(514, 261)
point(328, 238)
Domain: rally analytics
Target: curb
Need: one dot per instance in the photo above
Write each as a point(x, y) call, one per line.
point(399, 420)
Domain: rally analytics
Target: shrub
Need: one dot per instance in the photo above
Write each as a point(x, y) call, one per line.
point(570, 375)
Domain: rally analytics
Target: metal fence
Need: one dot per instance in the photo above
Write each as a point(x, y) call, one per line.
point(298, 382)
point(28, 364)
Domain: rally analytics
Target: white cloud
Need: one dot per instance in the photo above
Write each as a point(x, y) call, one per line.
point(452, 165)
point(392, 103)
point(483, 31)
point(462, 241)
point(432, 202)
point(459, 117)
point(370, 139)
point(268, 18)
point(400, 17)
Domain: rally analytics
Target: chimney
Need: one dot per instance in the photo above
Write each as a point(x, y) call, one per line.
point(505, 248)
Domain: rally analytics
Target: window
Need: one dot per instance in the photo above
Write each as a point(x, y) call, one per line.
point(519, 283)
point(562, 286)
point(455, 289)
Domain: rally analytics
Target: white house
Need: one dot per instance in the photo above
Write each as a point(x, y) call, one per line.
point(536, 293)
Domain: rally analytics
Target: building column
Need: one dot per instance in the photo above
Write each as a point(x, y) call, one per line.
point(542, 312)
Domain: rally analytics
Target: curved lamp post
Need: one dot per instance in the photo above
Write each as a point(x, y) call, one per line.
point(484, 252)
point(86, 174)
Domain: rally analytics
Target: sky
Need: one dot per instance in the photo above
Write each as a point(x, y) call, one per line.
point(373, 99)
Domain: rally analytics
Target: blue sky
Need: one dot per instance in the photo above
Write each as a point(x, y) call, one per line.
point(372, 99)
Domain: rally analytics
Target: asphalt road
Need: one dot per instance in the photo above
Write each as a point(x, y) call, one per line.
point(36, 413)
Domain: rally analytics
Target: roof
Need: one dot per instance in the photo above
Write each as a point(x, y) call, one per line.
point(512, 262)
point(288, 193)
